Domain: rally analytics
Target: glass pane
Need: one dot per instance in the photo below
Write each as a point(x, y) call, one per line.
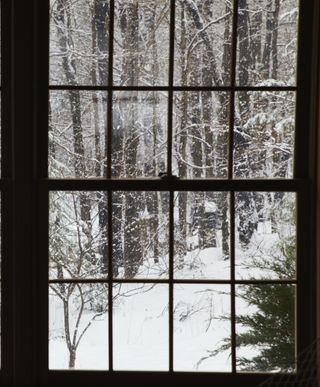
point(267, 42)
point(79, 41)
point(78, 240)
point(264, 134)
point(141, 44)
point(141, 327)
point(201, 322)
point(139, 142)
point(265, 324)
point(140, 234)
point(201, 235)
point(203, 42)
point(266, 235)
point(201, 130)
point(78, 326)
point(77, 134)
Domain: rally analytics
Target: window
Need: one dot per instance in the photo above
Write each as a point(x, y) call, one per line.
point(159, 179)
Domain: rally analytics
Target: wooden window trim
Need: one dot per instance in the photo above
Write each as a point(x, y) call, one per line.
point(25, 187)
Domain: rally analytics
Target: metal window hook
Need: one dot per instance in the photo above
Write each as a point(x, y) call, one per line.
point(167, 176)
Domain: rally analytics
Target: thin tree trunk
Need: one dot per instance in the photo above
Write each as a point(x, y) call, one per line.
point(255, 43)
point(266, 62)
point(63, 24)
point(275, 34)
point(127, 138)
point(100, 33)
point(182, 147)
point(72, 358)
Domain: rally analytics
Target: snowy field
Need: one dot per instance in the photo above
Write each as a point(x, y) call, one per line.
point(141, 330)
point(141, 322)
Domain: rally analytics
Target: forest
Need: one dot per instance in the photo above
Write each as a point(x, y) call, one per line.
point(233, 91)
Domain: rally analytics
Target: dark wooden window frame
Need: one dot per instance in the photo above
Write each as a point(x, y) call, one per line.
point(25, 187)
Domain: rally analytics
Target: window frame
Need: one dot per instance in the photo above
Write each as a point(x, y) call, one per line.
point(25, 188)
point(6, 188)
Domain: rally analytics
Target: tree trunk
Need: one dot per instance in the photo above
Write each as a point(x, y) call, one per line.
point(222, 139)
point(245, 210)
point(275, 33)
point(72, 358)
point(132, 247)
point(181, 142)
point(100, 33)
point(129, 26)
point(255, 43)
point(153, 197)
point(268, 41)
point(69, 67)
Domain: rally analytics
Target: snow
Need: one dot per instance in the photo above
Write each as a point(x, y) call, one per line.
point(202, 320)
point(141, 319)
point(199, 329)
point(141, 330)
point(211, 207)
point(204, 264)
point(92, 352)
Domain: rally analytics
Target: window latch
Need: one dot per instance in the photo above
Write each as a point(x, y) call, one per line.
point(166, 176)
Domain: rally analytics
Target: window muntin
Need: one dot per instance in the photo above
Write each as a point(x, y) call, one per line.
point(225, 159)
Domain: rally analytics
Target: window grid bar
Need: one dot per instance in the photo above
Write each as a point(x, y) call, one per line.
point(171, 281)
point(232, 86)
point(175, 281)
point(110, 93)
point(109, 175)
point(230, 176)
point(171, 88)
point(233, 283)
point(176, 185)
point(109, 282)
point(169, 172)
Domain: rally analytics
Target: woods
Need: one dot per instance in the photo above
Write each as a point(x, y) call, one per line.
point(262, 132)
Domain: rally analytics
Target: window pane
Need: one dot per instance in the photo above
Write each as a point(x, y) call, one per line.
point(201, 235)
point(201, 131)
point(139, 142)
point(78, 241)
point(266, 235)
point(79, 41)
point(141, 44)
point(140, 321)
point(265, 327)
point(264, 134)
point(203, 42)
point(267, 42)
point(201, 321)
point(78, 326)
point(77, 134)
point(140, 234)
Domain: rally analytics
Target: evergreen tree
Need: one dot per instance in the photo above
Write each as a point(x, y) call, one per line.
point(271, 326)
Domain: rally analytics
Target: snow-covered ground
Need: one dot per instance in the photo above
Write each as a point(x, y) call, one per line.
point(141, 330)
point(141, 319)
